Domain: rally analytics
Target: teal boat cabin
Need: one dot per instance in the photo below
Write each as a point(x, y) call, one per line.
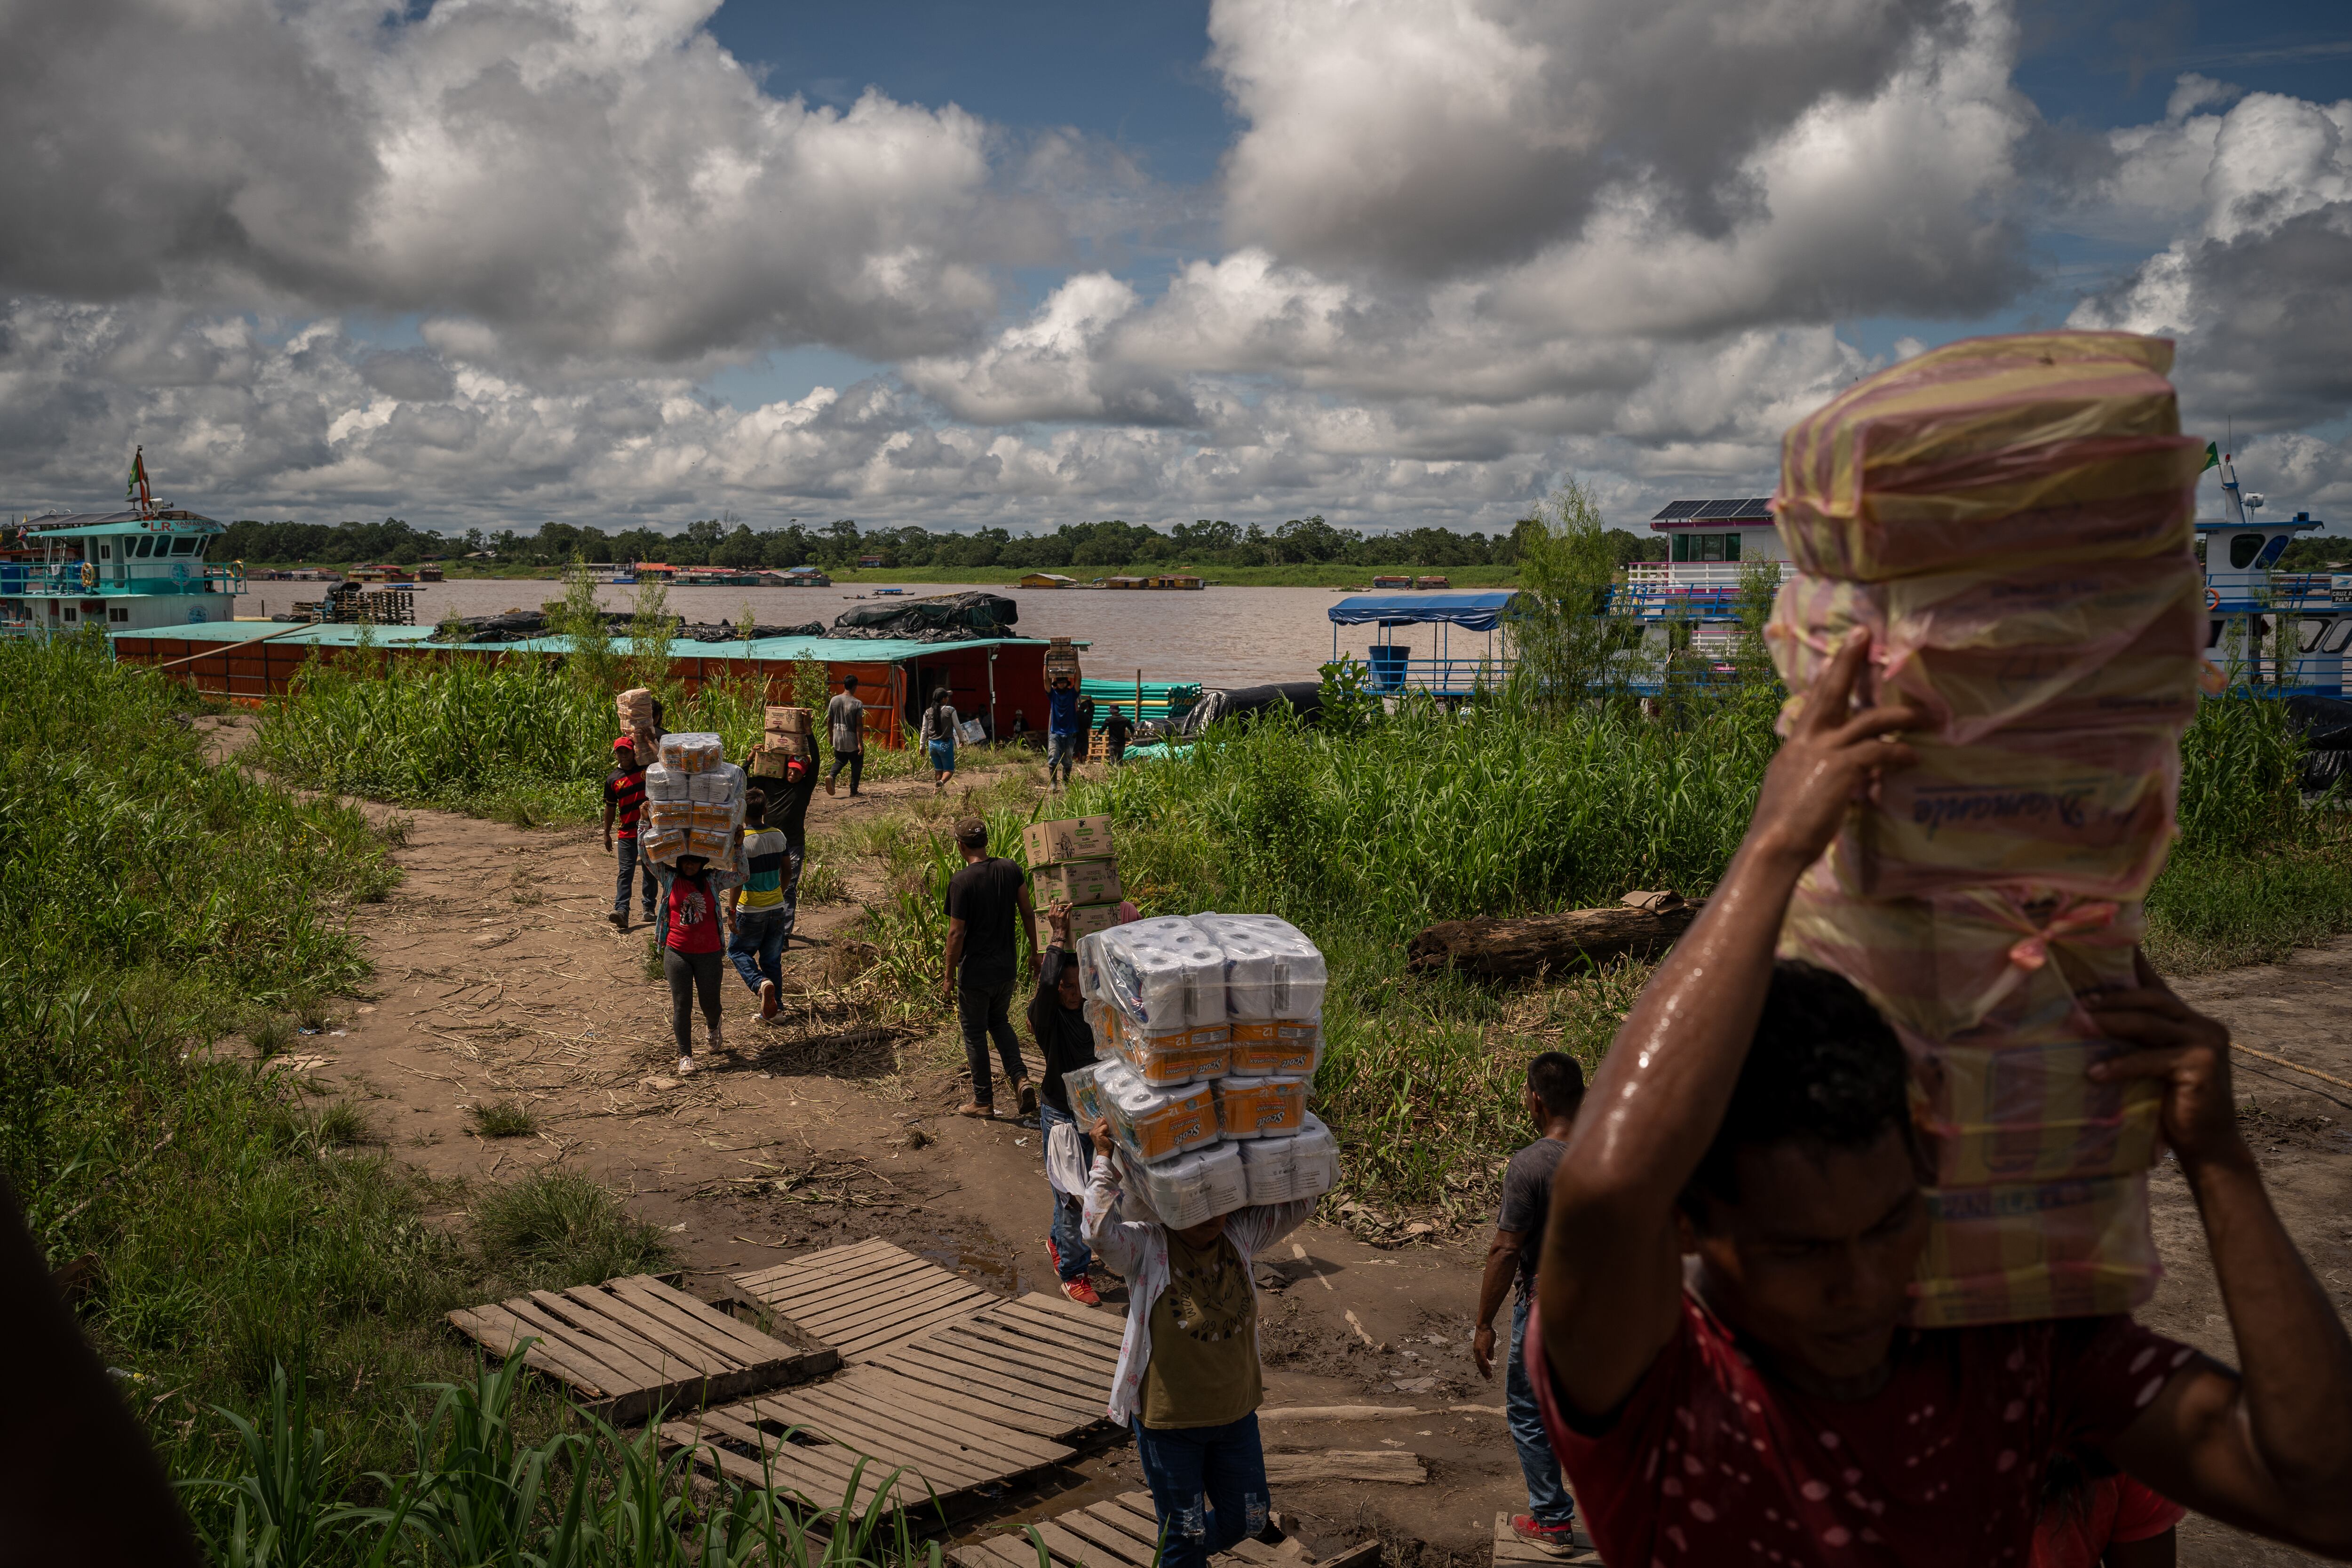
point(125, 571)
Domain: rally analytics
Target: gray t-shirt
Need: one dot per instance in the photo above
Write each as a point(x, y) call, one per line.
point(845, 717)
point(1527, 1202)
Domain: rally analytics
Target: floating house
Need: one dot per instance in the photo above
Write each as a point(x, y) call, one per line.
point(1048, 580)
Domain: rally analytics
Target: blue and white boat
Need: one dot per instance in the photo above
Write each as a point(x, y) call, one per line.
point(139, 569)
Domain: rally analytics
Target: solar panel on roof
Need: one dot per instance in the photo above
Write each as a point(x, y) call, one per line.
point(1759, 507)
point(1678, 509)
point(1719, 508)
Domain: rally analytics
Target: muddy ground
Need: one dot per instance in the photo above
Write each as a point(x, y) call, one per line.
point(499, 978)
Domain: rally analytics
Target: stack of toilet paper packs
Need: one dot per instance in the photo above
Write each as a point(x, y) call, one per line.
point(1208, 1029)
point(694, 803)
point(2011, 520)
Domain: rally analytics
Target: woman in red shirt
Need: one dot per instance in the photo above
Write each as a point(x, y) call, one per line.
point(691, 954)
point(2102, 1521)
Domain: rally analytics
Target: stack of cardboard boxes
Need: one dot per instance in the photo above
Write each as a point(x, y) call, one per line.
point(1071, 863)
point(790, 732)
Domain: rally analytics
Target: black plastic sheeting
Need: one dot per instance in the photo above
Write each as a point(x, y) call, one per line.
point(946, 618)
point(720, 631)
point(2326, 723)
point(1303, 698)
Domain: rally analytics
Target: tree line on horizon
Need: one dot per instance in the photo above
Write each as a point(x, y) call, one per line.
point(841, 545)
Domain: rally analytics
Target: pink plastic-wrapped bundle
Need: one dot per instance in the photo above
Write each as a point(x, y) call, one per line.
point(2107, 647)
point(2040, 447)
point(2009, 518)
point(2050, 1249)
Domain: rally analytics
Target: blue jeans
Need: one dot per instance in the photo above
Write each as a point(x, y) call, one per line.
point(632, 864)
point(1548, 1499)
point(942, 756)
point(1069, 1244)
point(757, 947)
point(1187, 1466)
point(1061, 752)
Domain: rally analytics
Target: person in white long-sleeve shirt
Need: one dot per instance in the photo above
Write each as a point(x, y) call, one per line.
point(1189, 1383)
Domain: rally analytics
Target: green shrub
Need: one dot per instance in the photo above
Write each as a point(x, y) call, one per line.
point(552, 1230)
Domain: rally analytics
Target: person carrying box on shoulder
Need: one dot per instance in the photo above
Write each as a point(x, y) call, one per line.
point(1554, 1091)
point(625, 804)
point(1063, 731)
point(1189, 1383)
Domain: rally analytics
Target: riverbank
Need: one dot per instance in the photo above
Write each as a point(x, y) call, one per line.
point(1302, 576)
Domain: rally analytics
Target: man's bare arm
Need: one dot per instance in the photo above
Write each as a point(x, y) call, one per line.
point(1502, 1262)
point(2269, 1448)
point(1611, 1273)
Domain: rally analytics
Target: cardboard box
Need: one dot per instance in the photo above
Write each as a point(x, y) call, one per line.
point(1077, 882)
point(790, 721)
point(1078, 839)
point(1087, 918)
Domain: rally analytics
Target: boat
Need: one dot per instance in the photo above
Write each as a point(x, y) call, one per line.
point(888, 593)
point(802, 577)
point(141, 568)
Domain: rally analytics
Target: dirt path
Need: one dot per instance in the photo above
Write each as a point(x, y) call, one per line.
point(499, 978)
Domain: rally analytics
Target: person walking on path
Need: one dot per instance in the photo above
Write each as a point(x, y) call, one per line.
point(691, 952)
point(844, 716)
point(762, 906)
point(1115, 729)
point(625, 803)
point(1758, 1125)
point(939, 736)
point(1189, 1381)
point(983, 963)
point(1554, 1090)
point(1057, 1021)
point(1061, 728)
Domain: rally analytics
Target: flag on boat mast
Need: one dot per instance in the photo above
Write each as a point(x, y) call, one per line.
point(2212, 455)
point(137, 488)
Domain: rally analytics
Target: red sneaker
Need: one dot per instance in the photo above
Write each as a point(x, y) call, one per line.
point(1551, 1540)
point(1054, 1253)
point(1081, 1293)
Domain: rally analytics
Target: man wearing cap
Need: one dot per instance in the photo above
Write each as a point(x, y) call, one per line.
point(983, 963)
point(625, 802)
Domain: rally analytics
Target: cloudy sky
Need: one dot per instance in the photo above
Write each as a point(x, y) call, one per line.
point(484, 262)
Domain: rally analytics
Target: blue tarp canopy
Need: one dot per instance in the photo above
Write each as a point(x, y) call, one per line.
point(1473, 612)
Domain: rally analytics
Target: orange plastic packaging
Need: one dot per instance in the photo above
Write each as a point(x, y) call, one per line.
point(2033, 447)
point(2051, 1249)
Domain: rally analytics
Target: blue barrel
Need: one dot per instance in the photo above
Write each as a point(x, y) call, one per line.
point(1388, 662)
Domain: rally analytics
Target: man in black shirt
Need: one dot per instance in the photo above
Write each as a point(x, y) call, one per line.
point(1115, 729)
point(983, 900)
point(1057, 1019)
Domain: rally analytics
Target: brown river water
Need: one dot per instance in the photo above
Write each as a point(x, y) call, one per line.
point(1218, 637)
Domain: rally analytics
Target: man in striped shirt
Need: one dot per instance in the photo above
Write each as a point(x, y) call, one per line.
point(625, 802)
point(763, 905)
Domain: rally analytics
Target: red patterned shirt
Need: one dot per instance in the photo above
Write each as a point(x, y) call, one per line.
point(1710, 1461)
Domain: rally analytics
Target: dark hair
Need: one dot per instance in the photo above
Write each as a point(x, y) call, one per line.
point(1823, 1070)
point(1557, 1080)
point(755, 808)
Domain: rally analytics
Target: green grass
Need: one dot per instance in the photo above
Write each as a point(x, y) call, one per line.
point(502, 1119)
point(243, 1224)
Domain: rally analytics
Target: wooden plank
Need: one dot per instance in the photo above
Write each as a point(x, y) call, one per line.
point(1038, 1360)
point(945, 1465)
point(871, 1314)
point(894, 1391)
point(866, 1341)
point(1117, 1543)
point(500, 1331)
point(1003, 1552)
point(1071, 1548)
point(1396, 1464)
point(1250, 1551)
point(1108, 1333)
point(842, 1287)
point(621, 1310)
point(929, 1360)
point(598, 1331)
point(821, 1270)
point(946, 1352)
point(885, 1422)
point(1021, 1410)
point(1071, 1388)
point(1142, 1531)
point(1050, 1304)
point(1075, 1364)
point(754, 1346)
point(617, 1379)
point(1363, 1554)
point(735, 1346)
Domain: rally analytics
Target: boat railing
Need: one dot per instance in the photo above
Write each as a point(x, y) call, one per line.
point(1461, 675)
point(65, 577)
point(1690, 590)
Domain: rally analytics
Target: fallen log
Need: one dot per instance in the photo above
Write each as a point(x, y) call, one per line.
point(1531, 946)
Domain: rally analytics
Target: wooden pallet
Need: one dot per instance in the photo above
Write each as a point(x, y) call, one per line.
point(633, 1345)
point(867, 1439)
point(1510, 1550)
point(1042, 1364)
point(864, 1298)
point(1124, 1532)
